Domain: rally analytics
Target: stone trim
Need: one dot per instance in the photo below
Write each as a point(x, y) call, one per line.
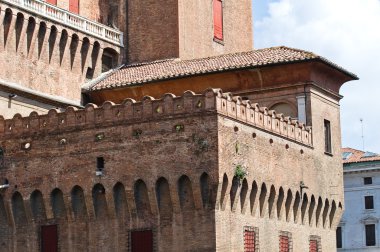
point(286, 234)
point(319, 242)
point(256, 230)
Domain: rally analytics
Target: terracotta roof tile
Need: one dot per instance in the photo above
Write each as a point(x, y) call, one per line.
point(176, 68)
point(358, 156)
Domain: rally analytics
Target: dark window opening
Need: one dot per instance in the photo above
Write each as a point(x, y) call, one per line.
point(99, 163)
point(327, 130)
point(367, 180)
point(89, 73)
point(339, 237)
point(368, 201)
point(370, 235)
point(218, 19)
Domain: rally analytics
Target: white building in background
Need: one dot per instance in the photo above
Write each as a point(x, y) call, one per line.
point(359, 229)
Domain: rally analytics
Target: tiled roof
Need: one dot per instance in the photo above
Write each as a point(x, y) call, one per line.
point(359, 156)
point(175, 68)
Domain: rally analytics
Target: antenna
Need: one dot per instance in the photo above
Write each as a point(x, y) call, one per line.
point(361, 121)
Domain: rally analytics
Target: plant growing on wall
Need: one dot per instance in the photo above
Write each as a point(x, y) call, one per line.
point(240, 172)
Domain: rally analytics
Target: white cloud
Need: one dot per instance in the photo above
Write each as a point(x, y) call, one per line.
point(346, 32)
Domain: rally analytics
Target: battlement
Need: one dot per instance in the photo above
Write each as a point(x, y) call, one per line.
point(130, 111)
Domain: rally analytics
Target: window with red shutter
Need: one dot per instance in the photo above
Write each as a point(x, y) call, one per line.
point(74, 6)
point(53, 2)
point(249, 240)
point(218, 19)
point(313, 246)
point(284, 243)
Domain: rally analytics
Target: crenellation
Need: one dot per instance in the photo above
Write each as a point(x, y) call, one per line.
point(152, 109)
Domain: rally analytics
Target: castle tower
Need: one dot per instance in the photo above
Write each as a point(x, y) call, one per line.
point(157, 30)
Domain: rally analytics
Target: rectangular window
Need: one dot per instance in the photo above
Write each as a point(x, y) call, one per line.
point(284, 243)
point(99, 163)
point(339, 237)
point(218, 19)
point(370, 235)
point(368, 180)
point(53, 2)
point(327, 130)
point(313, 246)
point(249, 239)
point(49, 238)
point(368, 201)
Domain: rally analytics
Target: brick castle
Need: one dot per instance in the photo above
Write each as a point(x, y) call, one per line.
point(155, 126)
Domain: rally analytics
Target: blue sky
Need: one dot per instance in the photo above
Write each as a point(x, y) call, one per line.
point(344, 31)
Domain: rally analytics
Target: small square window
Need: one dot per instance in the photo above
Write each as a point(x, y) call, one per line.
point(367, 180)
point(368, 200)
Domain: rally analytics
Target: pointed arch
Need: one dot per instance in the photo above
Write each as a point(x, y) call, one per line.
point(62, 45)
point(243, 195)
point(296, 205)
point(52, 41)
point(311, 210)
point(99, 201)
point(18, 209)
point(288, 204)
point(280, 200)
point(19, 24)
point(252, 198)
point(41, 37)
point(141, 199)
point(58, 204)
point(318, 212)
point(84, 52)
point(263, 194)
point(37, 205)
point(234, 191)
point(94, 59)
point(185, 193)
point(120, 200)
point(7, 24)
point(332, 213)
point(325, 212)
point(78, 202)
point(224, 191)
point(29, 33)
point(164, 200)
point(305, 202)
point(73, 49)
point(271, 200)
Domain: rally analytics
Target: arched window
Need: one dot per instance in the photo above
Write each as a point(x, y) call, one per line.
point(185, 193)
point(204, 181)
point(142, 199)
point(37, 205)
point(78, 202)
point(109, 59)
point(58, 204)
point(18, 209)
point(120, 200)
point(163, 198)
point(99, 200)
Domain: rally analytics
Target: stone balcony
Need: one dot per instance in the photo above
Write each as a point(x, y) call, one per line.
point(55, 50)
point(68, 19)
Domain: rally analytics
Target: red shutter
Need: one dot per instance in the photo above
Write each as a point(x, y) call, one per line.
point(74, 6)
point(218, 19)
point(49, 238)
point(142, 241)
point(284, 243)
point(313, 246)
point(249, 241)
point(53, 2)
